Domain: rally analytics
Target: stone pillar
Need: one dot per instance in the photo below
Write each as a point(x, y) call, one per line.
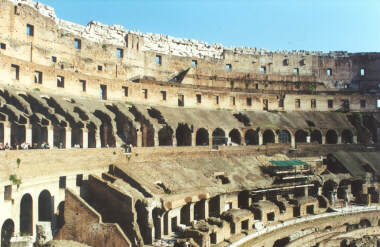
point(194, 138)
point(162, 223)
point(191, 219)
point(85, 137)
point(28, 134)
point(68, 138)
point(323, 139)
point(174, 140)
point(308, 138)
point(319, 191)
point(339, 139)
point(156, 142)
point(97, 138)
point(210, 140)
point(50, 130)
point(276, 137)
point(260, 138)
point(306, 191)
point(169, 222)
point(206, 209)
point(139, 139)
point(292, 141)
point(355, 139)
point(7, 133)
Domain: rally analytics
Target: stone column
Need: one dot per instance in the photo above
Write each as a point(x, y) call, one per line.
point(156, 139)
point(194, 139)
point(323, 139)
point(28, 134)
point(169, 222)
point(355, 139)
point(292, 141)
point(191, 219)
point(242, 142)
point(276, 137)
point(97, 138)
point(260, 138)
point(68, 138)
point(50, 130)
point(162, 218)
point(139, 138)
point(339, 139)
point(308, 138)
point(174, 140)
point(206, 208)
point(85, 137)
point(7, 133)
point(210, 140)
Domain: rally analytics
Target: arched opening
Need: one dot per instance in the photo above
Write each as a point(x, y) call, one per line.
point(218, 137)
point(165, 136)
point(251, 137)
point(147, 133)
point(59, 137)
point(60, 215)
point(39, 135)
point(157, 214)
point(281, 242)
point(45, 206)
point(26, 215)
point(316, 137)
point(107, 137)
point(235, 137)
point(322, 202)
point(7, 231)
point(328, 190)
point(301, 136)
point(331, 137)
point(364, 223)
point(77, 137)
point(183, 135)
point(284, 136)
point(91, 137)
point(343, 189)
point(347, 137)
point(268, 137)
point(202, 138)
point(17, 135)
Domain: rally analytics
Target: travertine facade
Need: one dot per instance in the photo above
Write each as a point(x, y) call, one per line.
point(202, 144)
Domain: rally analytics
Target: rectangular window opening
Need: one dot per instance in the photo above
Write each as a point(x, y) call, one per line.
point(228, 67)
point(233, 100)
point(265, 105)
point(38, 77)
point(217, 99)
point(16, 70)
point(54, 59)
point(60, 81)
point(77, 44)
point(194, 64)
point(3, 46)
point(158, 60)
point(103, 92)
point(62, 182)
point(378, 103)
point(249, 101)
point(83, 82)
point(329, 72)
point(145, 92)
point(313, 103)
point(181, 100)
point(296, 71)
point(362, 72)
point(29, 30)
point(330, 103)
point(100, 68)
point(298, 103)
point(281, 103)
point(362, 103)
point(263, 70)
point(199, 98)
point(79, 180)
point(119, 53)
point(8, 192)
point(125, 91)
point(163, 95)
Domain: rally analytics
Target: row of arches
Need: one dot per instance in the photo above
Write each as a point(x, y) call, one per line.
point(251, 137)
point(45, 214)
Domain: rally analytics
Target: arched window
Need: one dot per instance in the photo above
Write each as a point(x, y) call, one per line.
point(251, 137)
point(45, 207)
point(284, 136)
point(235, 137)
point(301, 136)
point(7, 231)
point(316, 137)
point(347, 137)
point(165, 136)
point(26, 215)
point(268, 137)
point(183, 135)
point(202, 138)
point(219, 137)
point(331, 137)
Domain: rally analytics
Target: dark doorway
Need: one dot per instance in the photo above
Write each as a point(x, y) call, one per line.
point(45, 207)
point(7, 231)
point(26, 215)
point(268, 137)
point(202, 137)
point(251, 137)
point(183, 135)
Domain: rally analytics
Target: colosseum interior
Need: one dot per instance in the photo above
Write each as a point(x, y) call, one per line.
point(114, 138)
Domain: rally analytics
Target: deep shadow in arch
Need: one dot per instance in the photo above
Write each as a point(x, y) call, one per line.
point(60, 215)
point(251, 137)
point(183, 135)
point(219, 137)
point(301, 136)
point(268, 137)
point(281, 242)
point(26, 215)
point(316, 136)
point(347, 137)
point(202, 137)
point(284, 136)
point(165, 136)
point(235, 136)
point(7, 231)
point(45, 206)
point(331, 137)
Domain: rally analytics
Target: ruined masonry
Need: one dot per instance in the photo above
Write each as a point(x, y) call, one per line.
point(111, 137)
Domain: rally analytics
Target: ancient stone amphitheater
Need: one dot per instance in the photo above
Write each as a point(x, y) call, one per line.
point(114, 138)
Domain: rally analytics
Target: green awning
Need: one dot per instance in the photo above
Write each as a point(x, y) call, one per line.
point(288, 162)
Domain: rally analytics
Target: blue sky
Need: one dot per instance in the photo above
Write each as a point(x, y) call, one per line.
point(326, 25)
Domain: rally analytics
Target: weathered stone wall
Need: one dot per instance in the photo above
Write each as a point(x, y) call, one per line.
point(83, 224)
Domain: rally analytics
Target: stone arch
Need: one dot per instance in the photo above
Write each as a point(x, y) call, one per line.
point(328, 188)
point(107, 137)
point(251, 137)
point(59, 134)
point(364, 223)
point(26, 215)
point(45, 206)
point(18, 134)
point(235, 136)
point(183, 135)
point(301, 136)
point(281, 242)
point(218, 137)
point(60, 215)
point(347, 137)
point(202, 137)
point(316, 136)
point(331, 137)
point(39, 135)
point(165, 136)
point(77, 136)
point(268, 136)
point(126, 131)
point(7, 231)
point(284, 136)
point(342, 188)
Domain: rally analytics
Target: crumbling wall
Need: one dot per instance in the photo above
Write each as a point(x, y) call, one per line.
point(83, 224)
